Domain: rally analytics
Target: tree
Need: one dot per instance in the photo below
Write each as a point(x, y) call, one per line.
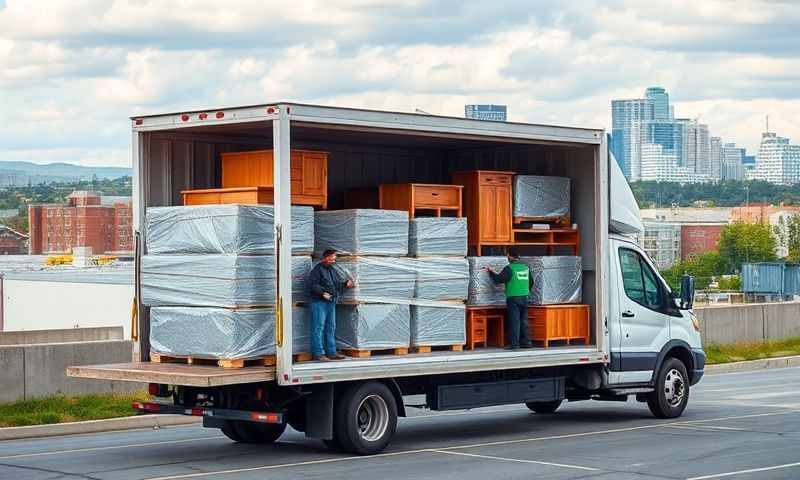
point(791, 230)
point(742, 242)
point(704, 268)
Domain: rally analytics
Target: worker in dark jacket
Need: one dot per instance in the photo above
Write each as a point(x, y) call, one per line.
point(518, 281)
point(325, 284)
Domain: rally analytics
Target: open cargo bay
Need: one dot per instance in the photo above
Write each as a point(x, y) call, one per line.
point(174, 153)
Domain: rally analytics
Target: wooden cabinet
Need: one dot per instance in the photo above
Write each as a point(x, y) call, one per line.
point(216, 196)
point(559, 322)
point(412, 197)
point(309, 174)
point(485, 326)
point(487, 205)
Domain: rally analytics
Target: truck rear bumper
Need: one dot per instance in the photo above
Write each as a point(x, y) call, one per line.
point(215, 413)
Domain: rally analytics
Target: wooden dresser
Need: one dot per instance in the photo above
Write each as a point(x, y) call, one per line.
point(243, 195)
point(412, 197)
point(485, 326)
point(487, 205)
point(309, 174)
point(559, 322)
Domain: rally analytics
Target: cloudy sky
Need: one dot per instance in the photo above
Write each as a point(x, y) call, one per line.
point(73, 71)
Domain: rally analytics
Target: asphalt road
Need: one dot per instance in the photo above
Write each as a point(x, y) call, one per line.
point(737, 426)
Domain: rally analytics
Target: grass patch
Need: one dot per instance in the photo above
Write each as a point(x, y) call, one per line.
point(61, 409)
point(737, 352)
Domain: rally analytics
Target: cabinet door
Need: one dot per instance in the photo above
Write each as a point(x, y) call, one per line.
point(503, 212)
point(487, 212)
point(315, 173)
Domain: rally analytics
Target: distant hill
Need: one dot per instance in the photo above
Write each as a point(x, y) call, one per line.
point(18, 173)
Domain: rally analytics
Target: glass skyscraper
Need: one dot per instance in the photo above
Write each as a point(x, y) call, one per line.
point(660, 99)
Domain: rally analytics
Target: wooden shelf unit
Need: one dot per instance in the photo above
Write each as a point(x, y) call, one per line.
point(412, 197)
point(550, 238)
point(559, 322)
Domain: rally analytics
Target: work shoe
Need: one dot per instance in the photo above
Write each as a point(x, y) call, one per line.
point(338, 356)
point(527, 345)
point(512, 347)
point(321, 358)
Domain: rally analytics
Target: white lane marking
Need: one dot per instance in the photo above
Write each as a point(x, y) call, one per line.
point(705, 428)
point(518, 460)
point(756, 396)
point(109, 447)
point(741, 472)
point(462, 447)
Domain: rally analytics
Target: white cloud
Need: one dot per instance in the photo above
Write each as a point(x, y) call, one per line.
point(72, 71)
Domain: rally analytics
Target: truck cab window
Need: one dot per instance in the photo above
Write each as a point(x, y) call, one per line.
point(639, 281)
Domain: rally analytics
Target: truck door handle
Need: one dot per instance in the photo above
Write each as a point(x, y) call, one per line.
point(628, 314)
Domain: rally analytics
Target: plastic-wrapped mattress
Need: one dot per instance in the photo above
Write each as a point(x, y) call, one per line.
point(216, 280)
point(240, 229)
point(377, 279)
point(372, 326)
point(432, 326)
point(541, 196)
point(482, 290)
point(441, 278)
point(437, 236)
point(220, 333)
point(556, 279)
point(361, 232)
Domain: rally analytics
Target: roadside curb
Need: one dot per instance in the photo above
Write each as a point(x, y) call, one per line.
point(95, 426)
point(754, 365)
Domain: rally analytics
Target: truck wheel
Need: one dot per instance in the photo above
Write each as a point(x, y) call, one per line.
point(671, 393)
point(251, 432)
point(544, 407)
point(365, 418)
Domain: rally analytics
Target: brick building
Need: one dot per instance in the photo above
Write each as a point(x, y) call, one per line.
point(88, 220)
point(760, 213)
point(12, 242)
point(698, 238)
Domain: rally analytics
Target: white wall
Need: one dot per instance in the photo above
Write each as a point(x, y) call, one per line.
point(38, 305)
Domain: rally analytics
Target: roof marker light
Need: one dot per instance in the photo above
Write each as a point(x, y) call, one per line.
point(138, 121)
point(185, 117)
point(220, 114)
point(203, 116)
point(271, 110)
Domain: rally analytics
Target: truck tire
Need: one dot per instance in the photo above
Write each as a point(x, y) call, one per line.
point(252, 432)
point(671, 393)
point(544, 407)
point(365, 418)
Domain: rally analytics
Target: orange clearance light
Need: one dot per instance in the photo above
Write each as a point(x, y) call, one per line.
point(220, 114)
point(203, 116)
point(185, 118)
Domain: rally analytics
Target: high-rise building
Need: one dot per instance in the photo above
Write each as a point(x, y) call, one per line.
point(732, 167)
point(88, 220)
point(696, 146)
point(661, 165)
point(778, 161)
point(629, 120)
point(498, 113)
point(660, 100)
point(716, 158)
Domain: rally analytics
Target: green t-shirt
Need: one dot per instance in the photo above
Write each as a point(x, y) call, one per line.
point(519, 285)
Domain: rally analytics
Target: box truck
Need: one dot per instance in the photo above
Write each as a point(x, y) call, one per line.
point(644, 340)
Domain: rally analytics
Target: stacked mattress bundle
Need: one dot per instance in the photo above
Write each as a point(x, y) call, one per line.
point(541, 197)
point(375, 314)
point(438, 246)
point(209, 276)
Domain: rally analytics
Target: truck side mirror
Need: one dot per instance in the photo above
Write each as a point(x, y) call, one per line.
point(687, 292)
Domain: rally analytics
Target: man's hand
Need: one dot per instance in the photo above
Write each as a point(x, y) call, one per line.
point(348, 284)
point(488, 269)
point(327, 296)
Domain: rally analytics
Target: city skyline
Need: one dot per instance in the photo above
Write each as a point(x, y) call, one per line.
point(69, 92)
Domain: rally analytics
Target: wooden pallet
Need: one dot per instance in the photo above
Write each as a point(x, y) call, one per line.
point(265, 361)
point(436, 348)
point(369, 353)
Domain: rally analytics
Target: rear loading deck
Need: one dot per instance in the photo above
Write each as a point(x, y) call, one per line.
point(389, 366)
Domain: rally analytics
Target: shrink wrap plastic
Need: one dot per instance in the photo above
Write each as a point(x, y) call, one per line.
point(540, 196)
point(432, 326)
point(441, 278)
point(556, 279)
point(219, 333)
point(372, 326)
point(377, 279)
point(231, 229)
point(361, 232)
point(437, 236)
point(216, 280)
point(482, 290)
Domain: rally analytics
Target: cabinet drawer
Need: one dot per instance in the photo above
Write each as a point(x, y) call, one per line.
point(435, 196)
point(478, 322)
point(479, 335)
point(495, 179)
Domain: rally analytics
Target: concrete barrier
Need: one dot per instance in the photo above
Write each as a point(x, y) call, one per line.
point(749, 323)
point(31, 371)
point(92, 334)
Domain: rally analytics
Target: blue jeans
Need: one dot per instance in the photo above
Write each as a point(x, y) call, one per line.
point(323, 327)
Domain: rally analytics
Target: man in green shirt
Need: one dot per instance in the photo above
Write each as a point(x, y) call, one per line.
point(518, 281)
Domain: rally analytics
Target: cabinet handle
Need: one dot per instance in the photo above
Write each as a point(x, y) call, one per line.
point(434, 194)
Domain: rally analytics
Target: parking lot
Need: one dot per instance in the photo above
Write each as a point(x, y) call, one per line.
point(740, 425)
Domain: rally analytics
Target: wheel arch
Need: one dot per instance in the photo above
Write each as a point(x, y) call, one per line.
point(674, 349)
point(397, 394)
